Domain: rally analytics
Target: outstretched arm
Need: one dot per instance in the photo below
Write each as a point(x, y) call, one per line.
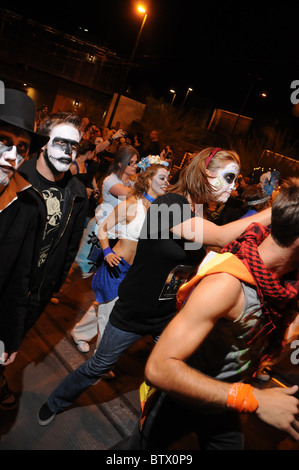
point(205, 232)
point(100, 147)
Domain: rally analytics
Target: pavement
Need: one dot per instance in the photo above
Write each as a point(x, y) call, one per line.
point(103, 416)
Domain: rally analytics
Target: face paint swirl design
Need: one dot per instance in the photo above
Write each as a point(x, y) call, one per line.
point(224, 182)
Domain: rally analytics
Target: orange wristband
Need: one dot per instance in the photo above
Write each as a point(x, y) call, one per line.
point(241, 398)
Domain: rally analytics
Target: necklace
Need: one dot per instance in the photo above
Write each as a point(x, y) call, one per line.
point(148, 197)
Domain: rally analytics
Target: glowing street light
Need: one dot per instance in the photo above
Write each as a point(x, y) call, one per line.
point(141, 9)
point(174, 95)
point(187, 93)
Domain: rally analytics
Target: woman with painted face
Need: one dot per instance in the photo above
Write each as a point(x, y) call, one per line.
point(116, 186)
point(129, 215)
point(170, 241)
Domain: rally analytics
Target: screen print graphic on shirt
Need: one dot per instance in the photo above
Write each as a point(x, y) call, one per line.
point(54, 202)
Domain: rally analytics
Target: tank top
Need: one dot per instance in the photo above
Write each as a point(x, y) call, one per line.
point(131, 231)
point(226, 354)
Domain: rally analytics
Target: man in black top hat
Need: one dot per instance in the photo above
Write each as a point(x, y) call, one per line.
point(40, 230)
point(18, 219)
point(17, 136)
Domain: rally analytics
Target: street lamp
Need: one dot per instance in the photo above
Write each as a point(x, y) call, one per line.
point(141, 9)
point(174, 95)
point(188, 91)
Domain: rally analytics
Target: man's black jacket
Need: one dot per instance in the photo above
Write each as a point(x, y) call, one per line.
point(64, 250)
point(22, 222)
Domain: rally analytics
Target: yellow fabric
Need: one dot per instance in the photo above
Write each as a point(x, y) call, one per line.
point(220, 263)
point(146, 394)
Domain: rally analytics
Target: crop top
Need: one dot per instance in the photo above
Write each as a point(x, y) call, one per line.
point(131, 231)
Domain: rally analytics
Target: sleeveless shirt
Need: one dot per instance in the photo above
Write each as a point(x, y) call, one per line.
point(131, 231)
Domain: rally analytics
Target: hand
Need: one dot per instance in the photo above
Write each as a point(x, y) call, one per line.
point(119, 133)
point(113, 259)
point(89, 192)
point(279, 408)
point(6, 359)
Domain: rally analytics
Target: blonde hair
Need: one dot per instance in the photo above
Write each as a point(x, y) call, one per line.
point(193, 181)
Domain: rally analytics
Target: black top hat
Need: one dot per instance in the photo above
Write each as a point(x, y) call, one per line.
point(19, 111)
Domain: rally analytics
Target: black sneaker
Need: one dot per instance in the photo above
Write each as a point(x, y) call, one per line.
point(45, 415)
point(7, 399)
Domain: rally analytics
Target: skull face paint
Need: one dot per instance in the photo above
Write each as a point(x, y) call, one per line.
point(159, 183)
point(14, 147)
point(62, 147)
point(223, 181)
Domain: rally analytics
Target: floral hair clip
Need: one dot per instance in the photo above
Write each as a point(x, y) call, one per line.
point(151, 160)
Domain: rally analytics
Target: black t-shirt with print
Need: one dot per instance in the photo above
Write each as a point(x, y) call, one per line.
point(53, 194)
point(138, 308)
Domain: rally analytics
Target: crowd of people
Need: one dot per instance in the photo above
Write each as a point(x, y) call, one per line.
point(209, 257)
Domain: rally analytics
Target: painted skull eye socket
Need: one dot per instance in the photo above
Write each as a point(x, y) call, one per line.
point(229, 177)
point(22, 147)
point(66, 145)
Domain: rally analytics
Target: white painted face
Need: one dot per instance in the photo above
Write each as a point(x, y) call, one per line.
point(14, 147)
point(62, 147)
point(223, 181)
point(159, 182)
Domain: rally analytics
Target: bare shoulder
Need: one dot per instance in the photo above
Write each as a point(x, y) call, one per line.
point(222, 292)
point(126, 203)
point(223, 281)
point(131, 200)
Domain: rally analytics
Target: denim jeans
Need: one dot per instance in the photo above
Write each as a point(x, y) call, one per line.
point(113, 343)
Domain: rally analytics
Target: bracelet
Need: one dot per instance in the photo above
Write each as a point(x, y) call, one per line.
point(107, 251)
point(111, 140)
point(241, 398)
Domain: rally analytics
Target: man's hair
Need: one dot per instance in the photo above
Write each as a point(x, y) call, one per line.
point(285, 213)
point(56, 119)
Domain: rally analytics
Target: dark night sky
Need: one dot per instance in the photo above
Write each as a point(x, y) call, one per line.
point(214, 47)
